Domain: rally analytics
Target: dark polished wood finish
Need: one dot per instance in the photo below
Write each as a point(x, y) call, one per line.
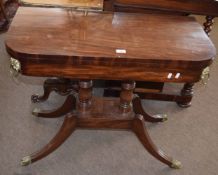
point(183, 99)
point(61, 86)
point(103, 114)
point(4, 20)
point(115, 87)
point(208, 24)
point(67, 107)
point(85, 94)
point(126, 96)
point(110, 46)
point(182, 46)
point(187, 92)
point(65, 131)
point(178, 7)
point(140, 130)
point(138, 109)
point(178, 98)
point(201, 7)
point(7, 11)
point(2, 12)
point(109, 5)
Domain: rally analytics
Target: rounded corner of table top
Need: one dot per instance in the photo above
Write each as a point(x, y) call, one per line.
point(27, 49)
point(11, 50)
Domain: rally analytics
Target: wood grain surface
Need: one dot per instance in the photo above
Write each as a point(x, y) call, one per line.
point(202, 7)
point(86, 45)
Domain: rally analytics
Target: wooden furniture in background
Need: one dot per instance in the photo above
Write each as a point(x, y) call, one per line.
point(73, 4)
point(3, 18)
point(200, 7)
point(209, 8)
point(7, 12)
point(146, 90)
point(126, 47)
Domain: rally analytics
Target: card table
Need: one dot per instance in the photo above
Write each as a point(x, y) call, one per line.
point(90, 46)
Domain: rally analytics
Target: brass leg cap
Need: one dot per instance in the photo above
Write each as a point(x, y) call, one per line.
point(25, 161)
point(176, 164)
point(164, 117)
point(36, 111)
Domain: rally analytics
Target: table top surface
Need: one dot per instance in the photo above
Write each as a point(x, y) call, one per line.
point(202, 7)
point(36, 33)
point(85, 4)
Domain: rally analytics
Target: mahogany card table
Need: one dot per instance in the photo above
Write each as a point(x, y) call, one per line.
point(89, 46)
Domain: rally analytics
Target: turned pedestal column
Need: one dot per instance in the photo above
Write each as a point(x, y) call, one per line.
point(85, 94)
point(126, 96)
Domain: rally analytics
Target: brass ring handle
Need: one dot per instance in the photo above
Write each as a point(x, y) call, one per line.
point(15, 66)
point(15, 69)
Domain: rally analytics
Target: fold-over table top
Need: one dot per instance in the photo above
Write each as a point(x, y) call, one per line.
point(107, 39)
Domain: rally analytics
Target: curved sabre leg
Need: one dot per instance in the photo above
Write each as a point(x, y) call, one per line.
point(47, 90)
point(138, 109)
point(68, 106)
point(65, 131)
point(62, 86)
point(141, 132)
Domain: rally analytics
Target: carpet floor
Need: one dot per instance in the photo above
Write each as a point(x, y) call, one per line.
point(190, 135)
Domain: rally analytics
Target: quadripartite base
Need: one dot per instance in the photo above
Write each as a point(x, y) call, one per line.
point(104, 113)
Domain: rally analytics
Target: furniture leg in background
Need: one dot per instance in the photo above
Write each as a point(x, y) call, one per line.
point(8, 9)
point(62, 86)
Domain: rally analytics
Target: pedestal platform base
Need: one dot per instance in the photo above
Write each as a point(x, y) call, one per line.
point(102, 113)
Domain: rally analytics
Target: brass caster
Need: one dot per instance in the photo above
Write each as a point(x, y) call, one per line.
point(163, 116)
point(36, 111)
point(25, 161)
point(176, 164)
